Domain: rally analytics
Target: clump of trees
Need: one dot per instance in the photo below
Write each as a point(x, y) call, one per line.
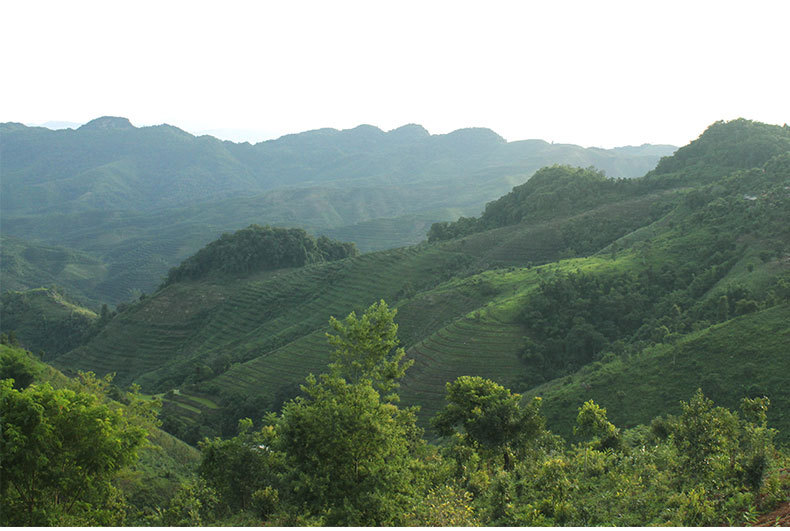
point(259, 248)
point(552, 192)
point(62, 448)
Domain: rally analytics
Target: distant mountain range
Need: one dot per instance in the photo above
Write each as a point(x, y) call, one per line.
point(141, 199)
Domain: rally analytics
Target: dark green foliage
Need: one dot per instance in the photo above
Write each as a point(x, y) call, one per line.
point(488, 417)
point(17, 364)
point(235, 469)
point(61, 449)
point(721, 149)
point(711, 471)
point(259, 248)
point(348, 454)
point(550, 193)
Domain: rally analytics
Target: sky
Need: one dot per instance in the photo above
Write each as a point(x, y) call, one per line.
point(593, 73)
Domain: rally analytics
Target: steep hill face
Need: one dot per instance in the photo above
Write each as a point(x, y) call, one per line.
point(141, 200)
point(623, 270)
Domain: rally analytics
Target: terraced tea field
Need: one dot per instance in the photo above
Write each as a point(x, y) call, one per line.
point(190, 323)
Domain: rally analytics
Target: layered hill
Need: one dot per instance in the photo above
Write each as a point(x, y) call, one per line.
point(139, 200)
point(568, 286)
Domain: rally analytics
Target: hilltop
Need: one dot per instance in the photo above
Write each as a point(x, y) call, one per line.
point(569, 271)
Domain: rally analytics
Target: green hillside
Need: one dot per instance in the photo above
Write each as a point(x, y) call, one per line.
point(567, 270)
point(44, 319)
point(612, 300)
point(742, 357)
point(26, 265)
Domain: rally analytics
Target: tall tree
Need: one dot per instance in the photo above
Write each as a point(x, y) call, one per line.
point(486, 415)
point(349, 453)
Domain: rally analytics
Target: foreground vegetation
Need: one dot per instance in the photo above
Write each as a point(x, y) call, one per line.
point(345, 453)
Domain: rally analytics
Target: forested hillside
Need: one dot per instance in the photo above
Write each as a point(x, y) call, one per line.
point(587, 351)
point(138, 201)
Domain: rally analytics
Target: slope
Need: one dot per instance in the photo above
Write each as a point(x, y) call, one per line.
point(163, 463)
point(44, 319)
point(742, 357)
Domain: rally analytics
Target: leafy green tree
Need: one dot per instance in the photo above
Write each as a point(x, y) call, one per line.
point(349, 454)
point(592, 421)
point(366, 349)
point(488, 416)
point(61, 449)
point(236, 468)
point(15, 363)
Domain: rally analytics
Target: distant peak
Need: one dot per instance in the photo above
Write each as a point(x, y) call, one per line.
point(363, 129)
point(476, 133)
point(108, 122)
point(410, 131)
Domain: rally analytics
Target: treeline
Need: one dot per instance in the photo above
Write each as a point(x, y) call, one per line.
point(259, 248)
point(721, 149)
point(552, 192)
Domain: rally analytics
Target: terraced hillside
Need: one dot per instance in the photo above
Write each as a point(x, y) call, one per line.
point(26, 265)
point(261, 335)
point(742, 357)
point(645, 264)
point(45, 320)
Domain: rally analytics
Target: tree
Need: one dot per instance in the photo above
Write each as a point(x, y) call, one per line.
point(592, 421)
point(349, 454)
point(238, 467)
point(365, 349)
point(61, 449)
point(490, 416)
point(15, 363)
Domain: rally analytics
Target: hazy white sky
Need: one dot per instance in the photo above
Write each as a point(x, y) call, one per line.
point(600, 73)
